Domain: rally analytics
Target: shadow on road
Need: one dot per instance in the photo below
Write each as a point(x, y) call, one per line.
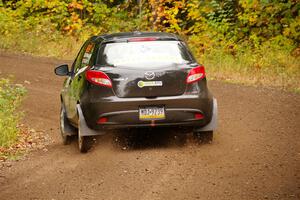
point(144, 138)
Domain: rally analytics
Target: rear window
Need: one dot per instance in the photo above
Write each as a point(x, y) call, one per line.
point(143, 54)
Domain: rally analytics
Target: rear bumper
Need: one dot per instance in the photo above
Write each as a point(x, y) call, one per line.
point(124, 112)
point(211, 126)
point(174, 117)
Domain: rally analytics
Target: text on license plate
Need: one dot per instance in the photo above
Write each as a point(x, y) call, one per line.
point(151, 113)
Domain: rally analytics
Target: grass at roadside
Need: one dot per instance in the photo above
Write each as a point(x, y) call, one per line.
point(11, 96)
point(15, 138)
point(266, 67)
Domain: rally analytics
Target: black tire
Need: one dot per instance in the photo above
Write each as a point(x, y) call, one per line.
point(204, 137)
point(85, 143)
point(66, 139)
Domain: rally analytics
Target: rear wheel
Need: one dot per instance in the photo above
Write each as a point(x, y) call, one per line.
point(204, 137)
point(66, 139)
point(84, 142)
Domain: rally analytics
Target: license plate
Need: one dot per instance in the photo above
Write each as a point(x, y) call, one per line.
point(152, 113)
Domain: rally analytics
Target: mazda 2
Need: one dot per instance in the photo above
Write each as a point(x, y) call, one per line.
point(132, 80)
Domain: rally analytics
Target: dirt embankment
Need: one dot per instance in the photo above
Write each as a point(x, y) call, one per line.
point(255, 154)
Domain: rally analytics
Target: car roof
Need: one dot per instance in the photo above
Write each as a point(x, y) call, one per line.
point(136, 34)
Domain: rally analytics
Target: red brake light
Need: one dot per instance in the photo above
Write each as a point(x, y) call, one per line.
point(145, 39)
point(102, 120)
point(198, 116)
point(98, 78)
point(195, 74)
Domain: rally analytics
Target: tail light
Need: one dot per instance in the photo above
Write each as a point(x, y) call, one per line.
point(98, 78)
point(102, 120)
point(198, 116)
point(195, 74)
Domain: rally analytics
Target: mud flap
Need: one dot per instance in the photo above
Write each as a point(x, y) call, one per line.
point(69, 130)
point(84, 129)
point(212, 125)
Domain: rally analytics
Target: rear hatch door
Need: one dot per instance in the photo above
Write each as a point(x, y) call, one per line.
point(146, 68)
point(166, 81)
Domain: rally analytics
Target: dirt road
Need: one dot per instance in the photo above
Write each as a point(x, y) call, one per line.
point(255, 153)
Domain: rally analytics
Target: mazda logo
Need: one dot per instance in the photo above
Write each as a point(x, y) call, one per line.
point(149, 75)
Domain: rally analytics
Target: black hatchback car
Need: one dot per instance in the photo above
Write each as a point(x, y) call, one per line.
point(138, 79)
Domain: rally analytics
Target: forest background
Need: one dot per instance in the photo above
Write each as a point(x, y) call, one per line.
point(252, 41)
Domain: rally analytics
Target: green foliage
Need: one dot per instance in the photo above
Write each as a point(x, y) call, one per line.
point(260, 21)
point(251, 22)
point(11, 96)
point(253, 34)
